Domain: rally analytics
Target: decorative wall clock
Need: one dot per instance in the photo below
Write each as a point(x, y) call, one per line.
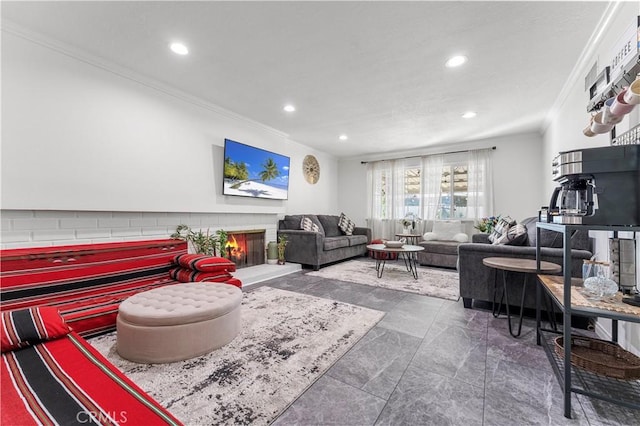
point(311, 169)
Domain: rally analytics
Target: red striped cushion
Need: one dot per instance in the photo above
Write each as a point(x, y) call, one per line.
point(66, 381)
point(203, 263)
point(27, 327)
point(187, 275)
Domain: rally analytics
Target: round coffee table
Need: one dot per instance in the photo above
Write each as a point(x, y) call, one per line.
point(407, 252)
point(525, 266)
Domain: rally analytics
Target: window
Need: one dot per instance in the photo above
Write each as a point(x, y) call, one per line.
point(451, 186)
point(454, 192)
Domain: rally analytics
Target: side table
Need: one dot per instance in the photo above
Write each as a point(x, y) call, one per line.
point(527, 267)
point(412, 239)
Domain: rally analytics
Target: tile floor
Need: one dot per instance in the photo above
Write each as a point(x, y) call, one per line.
point(432, 362)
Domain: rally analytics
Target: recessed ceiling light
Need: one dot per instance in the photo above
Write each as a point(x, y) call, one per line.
point(289, 108)
point(343, 137)
point(469, 114)
point(455, 61)
point(179, 48)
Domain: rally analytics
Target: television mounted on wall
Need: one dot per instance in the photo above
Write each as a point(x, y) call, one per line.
point(254, 172)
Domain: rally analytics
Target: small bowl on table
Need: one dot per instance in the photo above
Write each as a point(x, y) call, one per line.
point(394, 244)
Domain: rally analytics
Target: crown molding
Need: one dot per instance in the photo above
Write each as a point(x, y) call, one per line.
point(582, 65)
point(123, 72)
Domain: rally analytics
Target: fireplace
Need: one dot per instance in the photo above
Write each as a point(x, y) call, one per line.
point(246, 248)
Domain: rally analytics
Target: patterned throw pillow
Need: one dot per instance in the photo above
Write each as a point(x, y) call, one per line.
point(499, 233)
point(517, 235)
point(204, 263)
point(307, 224)
point(346, 225)
point(189, 275)
point(25, 327)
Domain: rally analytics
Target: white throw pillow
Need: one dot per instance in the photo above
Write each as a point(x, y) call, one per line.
point(461, 237)
point(430, 236)
point(446, 229)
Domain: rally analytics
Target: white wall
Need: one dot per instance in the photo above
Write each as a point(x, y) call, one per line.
point(564, 133)
point(517, 163)
point(77, 136)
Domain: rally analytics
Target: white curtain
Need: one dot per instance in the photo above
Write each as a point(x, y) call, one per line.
point(431, 186)
point(386, 202)
point(480, 184)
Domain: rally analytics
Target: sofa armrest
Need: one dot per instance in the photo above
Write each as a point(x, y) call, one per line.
point(303, 246)
point(363, 231)
point(480, 238)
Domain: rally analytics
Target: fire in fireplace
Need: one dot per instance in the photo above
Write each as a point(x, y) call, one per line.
point(246, 248)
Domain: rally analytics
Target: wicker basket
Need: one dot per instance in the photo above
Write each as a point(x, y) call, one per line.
point(600, 357)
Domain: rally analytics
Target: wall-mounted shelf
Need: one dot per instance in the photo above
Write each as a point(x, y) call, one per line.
point(626, 78)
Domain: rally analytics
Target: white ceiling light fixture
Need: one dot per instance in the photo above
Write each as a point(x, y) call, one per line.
point(289, 108)
point(179, 48)
point(455, 61)
point(343, 137)
point(469, 114)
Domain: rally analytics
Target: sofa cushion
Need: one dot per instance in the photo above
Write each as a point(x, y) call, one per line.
point(204, 263)
point(446, 229)
point(330, 225)
point(306, 224)
point(517, 235)
point(356, 240)
point(26, 327)
point(346, 225)
point(440, 247)
point(332, 243)
point(499, 235)
point(579, 239)
point(294, 221)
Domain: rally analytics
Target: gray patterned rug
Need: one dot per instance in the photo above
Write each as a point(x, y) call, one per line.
point(434, 282)
point(287, 341)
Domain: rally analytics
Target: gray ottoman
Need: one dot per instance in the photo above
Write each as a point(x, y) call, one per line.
point(178, 322)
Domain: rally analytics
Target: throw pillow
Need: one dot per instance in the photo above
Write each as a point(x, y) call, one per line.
point(346, 225)
point(188, 275)
point(430, 236)
point(499, 233)
point(307, 224)
point(446, 229)
point(25, 327)
point(517, 235)
point(461, 237)
point(204, 263)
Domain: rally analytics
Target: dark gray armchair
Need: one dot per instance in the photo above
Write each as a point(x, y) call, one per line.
point(476, 279)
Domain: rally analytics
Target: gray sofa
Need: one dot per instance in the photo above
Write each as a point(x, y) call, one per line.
point(476, 279)
point(319, 248)
point(443, 254)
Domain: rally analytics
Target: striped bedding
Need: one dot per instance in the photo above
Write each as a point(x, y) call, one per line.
point(85, 282)
point(66, 381)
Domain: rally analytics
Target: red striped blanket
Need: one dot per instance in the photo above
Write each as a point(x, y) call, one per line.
point(66, 381)
point(85, 282)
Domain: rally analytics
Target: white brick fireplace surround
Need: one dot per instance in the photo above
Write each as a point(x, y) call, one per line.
point(33, 228)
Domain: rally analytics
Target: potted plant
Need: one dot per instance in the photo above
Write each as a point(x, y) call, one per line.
point(282, 243)
point(201, 242)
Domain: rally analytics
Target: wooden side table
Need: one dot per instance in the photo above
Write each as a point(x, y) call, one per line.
point(527, 267)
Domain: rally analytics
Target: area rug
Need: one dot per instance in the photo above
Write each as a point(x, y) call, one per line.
point(431, 281)
point(288, 340)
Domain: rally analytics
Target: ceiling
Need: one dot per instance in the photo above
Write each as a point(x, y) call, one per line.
point(371, 70)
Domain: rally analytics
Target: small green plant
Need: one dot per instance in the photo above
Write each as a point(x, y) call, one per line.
point(486, 224)
point(222, 238)
point(202, 242)
point(282, 244)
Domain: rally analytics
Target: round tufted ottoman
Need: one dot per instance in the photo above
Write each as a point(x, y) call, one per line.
point(178, 322)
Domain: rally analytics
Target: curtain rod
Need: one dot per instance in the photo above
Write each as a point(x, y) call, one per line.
point(418, 156)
